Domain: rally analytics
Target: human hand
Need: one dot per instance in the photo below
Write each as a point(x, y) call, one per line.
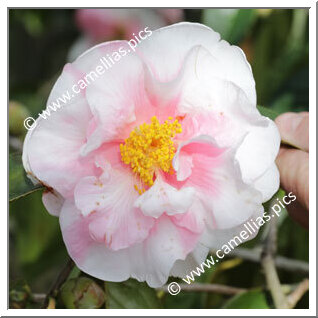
point(293, 164)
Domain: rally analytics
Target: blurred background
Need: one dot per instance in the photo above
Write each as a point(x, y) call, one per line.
point(275, 42)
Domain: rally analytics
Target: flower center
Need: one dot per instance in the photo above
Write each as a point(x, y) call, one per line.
point(150, 147)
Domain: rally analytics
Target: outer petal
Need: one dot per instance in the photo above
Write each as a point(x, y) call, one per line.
point(150, 261)
point(51, 150)
point(268, 183)
point(215, 239)
point(194, 259)
point(175, 41)
point(80, 46)
point(90, 256)
point(53, 202)
point(166, 244)
point(258, 151)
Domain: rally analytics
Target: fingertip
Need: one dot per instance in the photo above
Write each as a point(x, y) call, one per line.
point(294, 129)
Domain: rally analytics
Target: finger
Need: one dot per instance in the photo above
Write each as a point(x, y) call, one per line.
point(299, 214)
point(293, 165)
point(294, 129)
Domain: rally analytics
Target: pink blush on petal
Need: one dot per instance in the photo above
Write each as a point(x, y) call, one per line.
point(78, 238)
point(188, 240)
point(91, 127)
point(202, 174)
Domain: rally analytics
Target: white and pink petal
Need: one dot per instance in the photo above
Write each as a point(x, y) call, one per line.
point(111, 197)
point(164, 198)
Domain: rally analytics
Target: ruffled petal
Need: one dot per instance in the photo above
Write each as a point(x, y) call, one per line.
point(177, 40)
point(221, 109)
point(166, 244)
point(216, 238)
point(268, 183)
point(195, 219)
point(195, 258)
point(218, 183)
point(90, 256)
point(150, 261)
point(51, 151)
point(163, 198)
point(113, 111)
point(258, 151)
point(111, 197)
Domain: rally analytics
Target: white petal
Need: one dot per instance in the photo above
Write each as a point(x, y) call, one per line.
point(150, 261)
point(177, 40)
point(51, 149)
point(218, 182)
point(258, 151)
point(268, 183)
point(112, 197)
point(215, 239)
point(163, 198)
point(195, 258)
point(53, 202)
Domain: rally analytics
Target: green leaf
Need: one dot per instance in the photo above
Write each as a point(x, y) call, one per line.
point(130, 294)
point(273, 68)
point(32, 228)
point(267, 112)
point(19, 184)
point(254, 299)
point(232, 24)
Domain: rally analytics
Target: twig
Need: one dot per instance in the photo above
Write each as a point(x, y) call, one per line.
point(273, 282)
point(59, 282)
point(298, 293)
point(254, 255)
point(267, 261)
point(210, 288)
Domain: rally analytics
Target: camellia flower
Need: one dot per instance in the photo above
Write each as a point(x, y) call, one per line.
point(100, 25)
point(160, 158)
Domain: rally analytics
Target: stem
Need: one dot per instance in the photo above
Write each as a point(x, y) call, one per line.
point(267, 260)
point(210, 288)
point(254, 255)
point(298, 293)
point(61, 278)
point(273, 282)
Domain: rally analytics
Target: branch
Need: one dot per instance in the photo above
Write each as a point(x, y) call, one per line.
point(210, 288)
point(254, 255)
point(298, 293)
point(267, 261)
point(61, 278)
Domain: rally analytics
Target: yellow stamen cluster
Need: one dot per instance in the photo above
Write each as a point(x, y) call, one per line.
point(150, 147)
